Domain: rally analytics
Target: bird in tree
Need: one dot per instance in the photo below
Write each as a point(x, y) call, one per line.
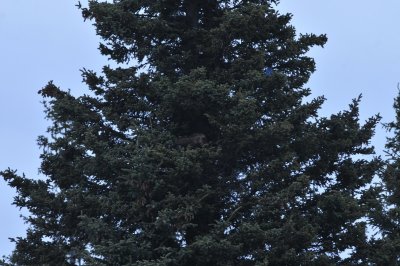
point(268, 181)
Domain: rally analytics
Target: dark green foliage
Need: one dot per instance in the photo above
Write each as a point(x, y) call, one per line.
point(385, 215)
point(270, 183)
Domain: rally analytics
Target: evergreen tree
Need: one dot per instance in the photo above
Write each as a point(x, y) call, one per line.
point(203, 151)
point(385, 216)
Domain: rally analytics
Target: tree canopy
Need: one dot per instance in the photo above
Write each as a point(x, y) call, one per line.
point(202, 147)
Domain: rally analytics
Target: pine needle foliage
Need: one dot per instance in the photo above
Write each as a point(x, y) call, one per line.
point(202, 147)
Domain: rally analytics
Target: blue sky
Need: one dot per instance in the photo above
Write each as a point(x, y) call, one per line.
point(46, 40)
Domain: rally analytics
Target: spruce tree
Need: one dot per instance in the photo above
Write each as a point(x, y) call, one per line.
point(200, 148)
point(385, 214)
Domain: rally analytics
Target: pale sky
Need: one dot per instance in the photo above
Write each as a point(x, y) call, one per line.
point(47, 40)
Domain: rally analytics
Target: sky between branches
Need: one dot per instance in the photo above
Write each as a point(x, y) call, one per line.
point(46, 40)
